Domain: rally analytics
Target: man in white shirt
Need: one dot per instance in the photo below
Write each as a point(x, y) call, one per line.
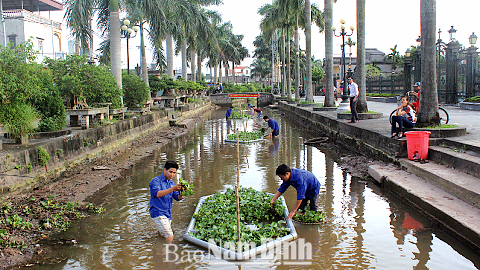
point(353, 87)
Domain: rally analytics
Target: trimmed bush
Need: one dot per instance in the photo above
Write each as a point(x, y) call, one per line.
point(135, 89)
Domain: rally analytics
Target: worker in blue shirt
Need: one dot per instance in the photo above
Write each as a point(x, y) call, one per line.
point(229, 112)
point(273, 125)
point(306, 184)
point(162, 192)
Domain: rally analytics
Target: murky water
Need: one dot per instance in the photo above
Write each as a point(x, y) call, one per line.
point(367, 228)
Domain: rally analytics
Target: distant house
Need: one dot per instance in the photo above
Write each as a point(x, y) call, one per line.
point(242, 74)
point(21, 24)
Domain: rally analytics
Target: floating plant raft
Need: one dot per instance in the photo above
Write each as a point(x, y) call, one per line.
point(214, 223)
point(245, 137)
point(239, 114)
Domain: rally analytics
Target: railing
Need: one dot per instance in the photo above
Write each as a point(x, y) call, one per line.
point(31, 17)
point(390, 85)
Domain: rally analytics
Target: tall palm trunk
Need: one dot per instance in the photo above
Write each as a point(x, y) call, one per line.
point(220, 72)
point(308, 46)
point(199, 66)
point(184, 60)
point(226, 66)
point(233, 73)
point(297, 67)
point(169, 47)
point(361, 78)
point(215, 70)
point(115, 42)
point(143, 61)
point(428, 113)
point(193, 58)
point(329, 91)
point(288, 77)
point(282, 42)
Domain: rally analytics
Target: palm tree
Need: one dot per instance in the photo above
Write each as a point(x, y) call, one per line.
point(394, 56)
point(261, 68)
point(361, 67)
point(329, 92)
point(428, 113)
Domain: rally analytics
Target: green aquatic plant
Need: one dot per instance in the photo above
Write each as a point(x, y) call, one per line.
point(187, 188)
point(217, 219)
point(246, 136)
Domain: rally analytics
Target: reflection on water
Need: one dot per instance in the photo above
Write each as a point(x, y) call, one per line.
point(365, 228)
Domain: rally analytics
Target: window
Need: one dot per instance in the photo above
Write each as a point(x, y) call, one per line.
point(40, 45)
point(12, 40)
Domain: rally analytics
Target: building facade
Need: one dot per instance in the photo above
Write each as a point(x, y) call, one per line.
point(20, 23)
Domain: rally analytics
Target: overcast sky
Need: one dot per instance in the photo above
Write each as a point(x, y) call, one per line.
point(388, 23)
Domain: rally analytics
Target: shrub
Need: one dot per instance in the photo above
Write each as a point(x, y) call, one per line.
point(20, 82)
point(50, 106)
point(473, 99)
point(135, 89)
point(77, 80)
point(43, 156)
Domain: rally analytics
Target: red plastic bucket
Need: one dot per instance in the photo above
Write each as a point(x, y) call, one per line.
point(417, 144)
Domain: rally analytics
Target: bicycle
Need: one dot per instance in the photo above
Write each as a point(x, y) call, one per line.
point(444, 117)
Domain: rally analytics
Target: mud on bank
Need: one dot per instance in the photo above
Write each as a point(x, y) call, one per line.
point(55, 204)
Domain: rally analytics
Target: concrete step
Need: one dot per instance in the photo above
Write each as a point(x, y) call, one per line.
point(458, 159)
point(453, 214)
point(461, 185)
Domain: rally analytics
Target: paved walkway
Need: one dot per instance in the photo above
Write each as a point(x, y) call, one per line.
point(463, 118)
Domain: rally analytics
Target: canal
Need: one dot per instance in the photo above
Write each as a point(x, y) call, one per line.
point(366, 227)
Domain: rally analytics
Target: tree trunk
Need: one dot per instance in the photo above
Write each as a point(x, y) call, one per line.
point(233, 73)
point(308, 46)
point(220, 72)
point(169, 48)
point(199, 66)
point(329, 90)
point(297, 67)
point(115, 43)
point(282, 43)
point(360, 75)
point(193, 60)
point(225, 65)
point(428, 113)
point(288, 77)
point(184, 60)
point(215, 81)
point(143, 61)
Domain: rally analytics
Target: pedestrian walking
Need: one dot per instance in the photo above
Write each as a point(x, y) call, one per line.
point(353, 87)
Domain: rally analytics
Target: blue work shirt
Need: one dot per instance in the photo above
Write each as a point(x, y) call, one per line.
point(304, 182)
point(229, 112)
point(162, 206)
point(273, 124)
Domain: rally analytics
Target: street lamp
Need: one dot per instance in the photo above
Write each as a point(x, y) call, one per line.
point(451, 33)
point(127, 34)
point(472, 39)
point(343, 34)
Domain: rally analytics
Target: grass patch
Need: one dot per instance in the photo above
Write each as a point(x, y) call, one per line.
point(442, 126)
point(473, 99)
point(307, 102)
point(380, 95)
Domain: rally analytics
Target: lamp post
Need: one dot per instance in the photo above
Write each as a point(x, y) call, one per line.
point(451, 56)
point(350, 43)
point(127, 34)
point(343, 34)
point(407, 70)
point(472, 66)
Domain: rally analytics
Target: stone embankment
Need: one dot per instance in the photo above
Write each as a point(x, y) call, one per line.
point(20, 168)
point(446, 189)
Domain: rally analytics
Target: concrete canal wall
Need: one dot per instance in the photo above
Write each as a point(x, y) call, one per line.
point(358, 139)
point(264, 99)
point(20, 168)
